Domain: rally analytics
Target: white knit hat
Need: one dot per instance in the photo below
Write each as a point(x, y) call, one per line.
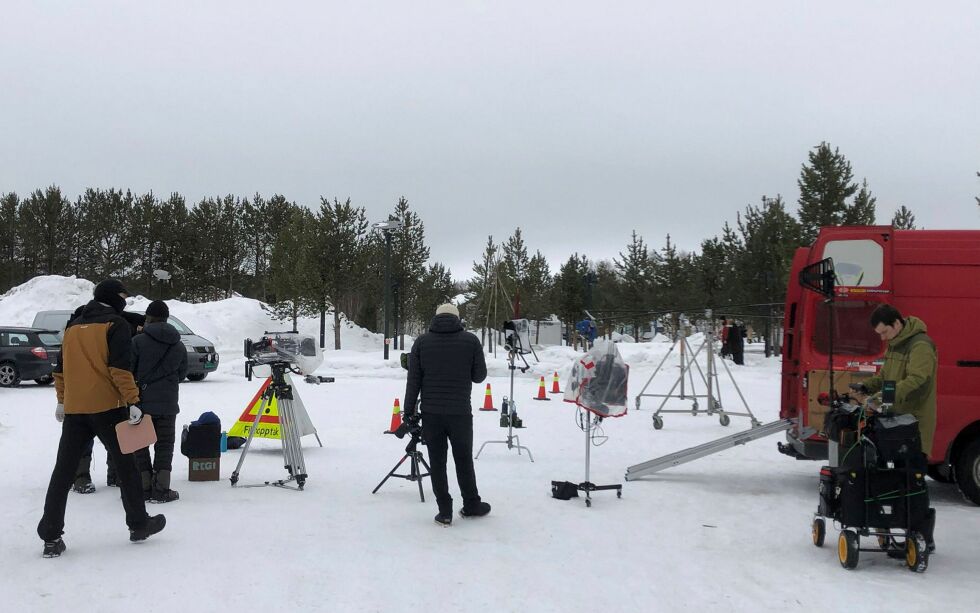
point(447, 308)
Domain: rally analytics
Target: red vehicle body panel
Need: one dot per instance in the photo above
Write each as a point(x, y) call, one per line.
point(931, 274)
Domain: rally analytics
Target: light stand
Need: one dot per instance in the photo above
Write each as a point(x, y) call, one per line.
point(587, 486)
point(387, 228)
point(509, 409)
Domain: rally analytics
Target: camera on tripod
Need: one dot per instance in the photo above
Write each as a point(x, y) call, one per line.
point(412, 427)
point(517, 336)
point(297, 352)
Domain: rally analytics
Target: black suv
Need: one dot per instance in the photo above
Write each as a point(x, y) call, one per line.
point(28, 353)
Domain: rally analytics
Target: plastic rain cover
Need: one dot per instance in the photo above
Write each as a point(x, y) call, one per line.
point(598, 381)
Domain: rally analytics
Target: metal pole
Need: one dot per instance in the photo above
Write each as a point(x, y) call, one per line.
point(387, 287)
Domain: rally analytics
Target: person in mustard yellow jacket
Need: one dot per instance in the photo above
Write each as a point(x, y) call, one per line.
point(95, 391)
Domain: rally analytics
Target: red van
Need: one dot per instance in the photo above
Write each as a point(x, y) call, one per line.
point(932, 274)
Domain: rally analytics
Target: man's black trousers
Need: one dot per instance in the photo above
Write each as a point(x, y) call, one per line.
point(163, 449)
point(438, 432)
point(77, 432)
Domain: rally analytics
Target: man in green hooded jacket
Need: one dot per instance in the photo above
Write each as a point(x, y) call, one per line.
point(911, 362)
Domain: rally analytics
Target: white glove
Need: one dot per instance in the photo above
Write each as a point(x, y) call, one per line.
point(59, 413)
point(135, 414)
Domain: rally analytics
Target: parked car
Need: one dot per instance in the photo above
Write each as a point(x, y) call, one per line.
point(28, 353)
point(201, 355)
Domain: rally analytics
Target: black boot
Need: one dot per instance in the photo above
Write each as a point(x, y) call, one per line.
point(53, 549)
point(444, 519)
point(478, 510)
point(153, 525)
point(83, 485)
point(110, 474)
point(161, 488)
point(146, 478)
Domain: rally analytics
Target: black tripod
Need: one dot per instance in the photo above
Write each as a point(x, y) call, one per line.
point(411, 452)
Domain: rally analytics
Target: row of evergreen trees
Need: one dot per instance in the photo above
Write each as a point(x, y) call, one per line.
point(305, 260)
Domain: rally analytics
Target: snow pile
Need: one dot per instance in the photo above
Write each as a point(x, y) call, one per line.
point(224, 322)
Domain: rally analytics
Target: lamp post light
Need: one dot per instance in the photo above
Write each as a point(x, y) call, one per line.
point(161, 276)
point(387, 228)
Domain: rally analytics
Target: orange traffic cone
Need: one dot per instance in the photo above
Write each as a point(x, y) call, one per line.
point(396, 417)
point(554, 384)
point(488, 401)
point(541, 395)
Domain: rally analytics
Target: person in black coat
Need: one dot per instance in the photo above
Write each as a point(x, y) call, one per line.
point(159, 365)
point(443, 366)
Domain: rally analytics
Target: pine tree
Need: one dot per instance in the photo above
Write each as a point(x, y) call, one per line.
point(569, 290)
point(339, 254)
point(409, 254)
point(535, 302)
point(482, 287)
point(862, 211)
point(10, 270)
point(770, 236)
point(514, 270)
point(903, 219)
point(171, 245)
point(291, 267)
point(635, 271)
point(826, 184)
point(673, 276)
point(436, 288)
point(45, 232)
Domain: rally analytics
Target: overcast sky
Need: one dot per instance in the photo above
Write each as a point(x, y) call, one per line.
point(577, 121)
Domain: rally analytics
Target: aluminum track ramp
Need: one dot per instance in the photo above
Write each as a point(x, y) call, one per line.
point(689, 455)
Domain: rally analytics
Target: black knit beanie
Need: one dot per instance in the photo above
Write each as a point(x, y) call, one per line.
point(158, 309)
point(108, 292)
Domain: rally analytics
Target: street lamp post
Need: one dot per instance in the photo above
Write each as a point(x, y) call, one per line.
point(387, 228)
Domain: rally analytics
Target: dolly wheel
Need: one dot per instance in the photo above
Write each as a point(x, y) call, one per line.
point(819, 531)
point(724, 420)
point(658, 422)
point(916, 554)
point(847, 549)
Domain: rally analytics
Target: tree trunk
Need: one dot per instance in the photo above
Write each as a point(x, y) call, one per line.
point(336, 327)
point(323, 324)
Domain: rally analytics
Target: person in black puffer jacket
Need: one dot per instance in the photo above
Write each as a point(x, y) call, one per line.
point(443, 366)
point(159, 365)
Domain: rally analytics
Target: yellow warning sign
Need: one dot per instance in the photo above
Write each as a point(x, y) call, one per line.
point(268, 426)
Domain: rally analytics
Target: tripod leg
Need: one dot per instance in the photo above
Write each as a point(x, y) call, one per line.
point(390, 473)
point(417, 475)
point(251, 434)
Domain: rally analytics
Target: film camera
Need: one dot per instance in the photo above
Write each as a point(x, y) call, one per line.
point(300, 353)
point(517, 336)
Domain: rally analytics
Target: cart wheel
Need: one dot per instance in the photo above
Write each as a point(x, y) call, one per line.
point(694, 408)
point(847, 549)
point(619, 493)
point(916, 554)
point(658, 422)
point(588, 502)
point(819, 531)
point(724, 420)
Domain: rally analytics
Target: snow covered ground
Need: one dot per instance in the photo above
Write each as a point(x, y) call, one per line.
point(730, 532)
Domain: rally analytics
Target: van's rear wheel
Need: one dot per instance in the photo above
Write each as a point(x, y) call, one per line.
point(968, 471)
point(197, 376)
